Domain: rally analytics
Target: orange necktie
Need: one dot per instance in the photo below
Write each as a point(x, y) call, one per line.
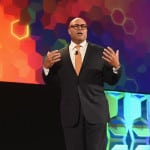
point(78, 59)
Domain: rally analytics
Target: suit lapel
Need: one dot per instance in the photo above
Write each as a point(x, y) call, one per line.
point(86, 58)
point(67, 61)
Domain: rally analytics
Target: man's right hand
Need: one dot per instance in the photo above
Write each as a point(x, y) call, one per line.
point(51, 58)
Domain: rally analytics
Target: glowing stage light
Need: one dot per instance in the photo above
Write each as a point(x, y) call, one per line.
point(14, 32)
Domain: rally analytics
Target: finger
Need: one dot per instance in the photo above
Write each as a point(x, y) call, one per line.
point(56, 60)
point(56, 56)
point(48, 53)
point(106, 59)
point(54, 52)
point(117, 53)
point(51, 53)
point(107, 54)
point(110, 50)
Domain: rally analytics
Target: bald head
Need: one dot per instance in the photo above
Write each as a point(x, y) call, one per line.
point(78, 30)
point(77, 19)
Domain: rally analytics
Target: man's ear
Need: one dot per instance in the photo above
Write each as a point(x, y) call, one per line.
point(69, 32)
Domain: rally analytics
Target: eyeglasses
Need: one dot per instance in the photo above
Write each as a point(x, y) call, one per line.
point(79, 26)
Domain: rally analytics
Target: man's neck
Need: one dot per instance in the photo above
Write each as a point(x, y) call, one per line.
point(78, 42)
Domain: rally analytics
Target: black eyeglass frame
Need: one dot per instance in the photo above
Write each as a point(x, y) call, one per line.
point(79, 26)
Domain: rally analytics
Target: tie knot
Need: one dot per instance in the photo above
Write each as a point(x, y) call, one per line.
point(77, 47)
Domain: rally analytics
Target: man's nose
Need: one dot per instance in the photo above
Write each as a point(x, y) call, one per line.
point(79, 27)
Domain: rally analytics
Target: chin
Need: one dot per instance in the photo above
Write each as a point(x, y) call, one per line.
point(80, 40)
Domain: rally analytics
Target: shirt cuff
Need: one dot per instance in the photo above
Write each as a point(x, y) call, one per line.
point(115, 70)
point(46, 71)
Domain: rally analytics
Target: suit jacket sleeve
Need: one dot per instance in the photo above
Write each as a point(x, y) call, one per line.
point(109, 76)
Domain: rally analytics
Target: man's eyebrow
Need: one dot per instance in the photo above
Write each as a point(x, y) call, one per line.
point(78, 24)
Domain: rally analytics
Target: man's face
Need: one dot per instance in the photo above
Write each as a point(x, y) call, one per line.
point(78, 30)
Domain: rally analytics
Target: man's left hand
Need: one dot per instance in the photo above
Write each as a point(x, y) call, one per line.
point(111, 57)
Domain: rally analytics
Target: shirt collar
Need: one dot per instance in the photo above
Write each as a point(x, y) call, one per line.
point(72, 44)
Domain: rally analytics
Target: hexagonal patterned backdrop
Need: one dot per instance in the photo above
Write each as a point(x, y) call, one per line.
point(30, 28)
point(129, 128)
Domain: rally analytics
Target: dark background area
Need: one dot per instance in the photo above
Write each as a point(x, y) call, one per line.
point(29, 114)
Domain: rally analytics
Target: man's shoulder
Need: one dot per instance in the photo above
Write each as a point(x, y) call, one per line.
point(96, 46)
point(63, 49)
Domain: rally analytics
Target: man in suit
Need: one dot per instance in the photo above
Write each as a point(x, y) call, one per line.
point(80, 71)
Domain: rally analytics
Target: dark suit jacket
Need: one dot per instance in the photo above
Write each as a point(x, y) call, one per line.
point(84, 91)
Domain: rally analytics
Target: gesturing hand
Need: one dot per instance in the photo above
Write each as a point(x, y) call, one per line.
point(111, 56)
point(51, 58)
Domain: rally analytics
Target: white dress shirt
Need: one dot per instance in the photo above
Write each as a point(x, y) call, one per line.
point(72, 50)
